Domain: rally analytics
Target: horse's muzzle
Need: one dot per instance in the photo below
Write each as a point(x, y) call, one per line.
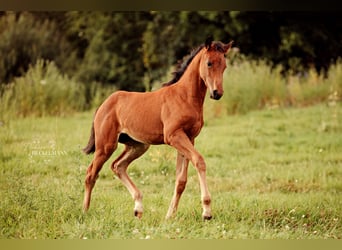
point(215, 95)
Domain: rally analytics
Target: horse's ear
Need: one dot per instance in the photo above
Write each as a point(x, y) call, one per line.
point(208, 42)
point(227, 46)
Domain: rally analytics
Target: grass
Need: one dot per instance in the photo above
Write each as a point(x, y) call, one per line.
point(252, 85)
point(44, 91)
point(272, 174)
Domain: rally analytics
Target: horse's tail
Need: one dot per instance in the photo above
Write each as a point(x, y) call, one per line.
point(90, 148)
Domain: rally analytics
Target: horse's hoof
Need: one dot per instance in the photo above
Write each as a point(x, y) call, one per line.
point(138, 214)
point(207, 217)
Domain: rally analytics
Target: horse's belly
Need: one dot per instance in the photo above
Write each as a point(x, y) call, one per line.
point(144, 128)
point(145, 136)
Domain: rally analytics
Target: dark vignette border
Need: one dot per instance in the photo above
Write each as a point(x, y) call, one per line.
point(171, 5)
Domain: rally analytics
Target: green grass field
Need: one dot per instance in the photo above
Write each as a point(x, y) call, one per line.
point(272, 174)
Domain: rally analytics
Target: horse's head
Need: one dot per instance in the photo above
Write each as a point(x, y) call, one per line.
point(213, 64)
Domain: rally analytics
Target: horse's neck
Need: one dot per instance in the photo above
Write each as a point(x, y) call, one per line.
point(192, 84)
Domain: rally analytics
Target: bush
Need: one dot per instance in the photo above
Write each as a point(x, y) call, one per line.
point(96, 93)
point(248, 85)
point(251, 85)
point(24, 40)
point(42, 91)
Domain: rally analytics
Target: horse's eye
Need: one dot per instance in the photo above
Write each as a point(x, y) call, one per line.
point(210, 64)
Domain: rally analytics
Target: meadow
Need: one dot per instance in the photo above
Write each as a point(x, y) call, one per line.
point(273, 174)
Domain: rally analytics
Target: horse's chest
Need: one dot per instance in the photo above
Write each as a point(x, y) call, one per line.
point(193, 125)
point(189, 118)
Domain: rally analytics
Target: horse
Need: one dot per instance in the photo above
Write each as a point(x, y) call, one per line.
point(171, 115)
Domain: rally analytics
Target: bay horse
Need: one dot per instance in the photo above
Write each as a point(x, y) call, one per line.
point(171, 115)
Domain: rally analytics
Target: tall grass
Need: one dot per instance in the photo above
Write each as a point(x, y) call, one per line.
point(43, 90)
point(251, 85)
point(248, 85)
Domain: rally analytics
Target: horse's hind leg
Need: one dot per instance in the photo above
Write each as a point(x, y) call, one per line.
point(181, 179)
point(102, 154)
point(132, 151)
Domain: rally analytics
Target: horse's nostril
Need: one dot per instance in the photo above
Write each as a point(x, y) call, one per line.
point(215, 92)
point(216, 95)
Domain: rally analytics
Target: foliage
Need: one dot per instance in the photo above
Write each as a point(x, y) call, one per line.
point(273, 174)
point(248, 85)
point(25, 39)
point(134, 50)
point(296, 40)
point(251, 85)
point(158, 48)
point(113, 52)
point(42, 91)
point(90, 61)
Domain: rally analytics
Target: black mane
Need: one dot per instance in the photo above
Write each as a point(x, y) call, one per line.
point(218, 46)
point(183, 66)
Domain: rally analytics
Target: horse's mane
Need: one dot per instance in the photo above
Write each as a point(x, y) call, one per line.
point(181, 68)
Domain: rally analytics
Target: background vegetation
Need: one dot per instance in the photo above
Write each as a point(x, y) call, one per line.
point(90, 54)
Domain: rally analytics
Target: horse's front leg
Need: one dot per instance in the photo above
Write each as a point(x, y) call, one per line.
point(182, 143)
point(181, 179)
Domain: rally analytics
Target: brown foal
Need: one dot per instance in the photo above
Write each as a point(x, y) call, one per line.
point(172, 115)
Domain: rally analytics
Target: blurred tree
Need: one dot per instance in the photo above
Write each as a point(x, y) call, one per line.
point(132, 50)
point(170, 36)
point(109, 47)
point(312, 39)
point(162, 36)
point(297, 40)
point(24, 39)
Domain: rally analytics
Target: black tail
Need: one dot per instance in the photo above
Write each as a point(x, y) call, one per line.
point(90, 148)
